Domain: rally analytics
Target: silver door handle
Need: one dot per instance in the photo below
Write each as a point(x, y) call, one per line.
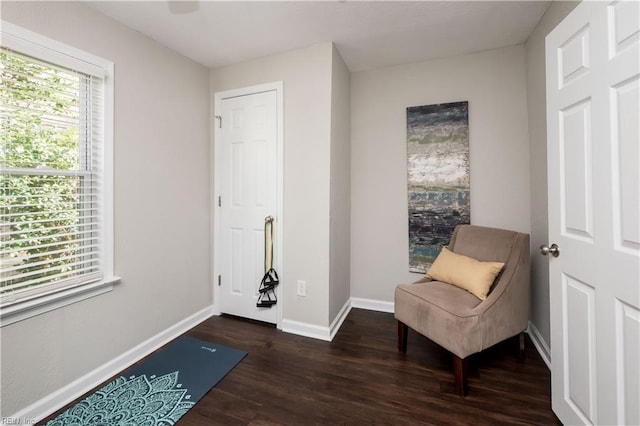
point(554, 250)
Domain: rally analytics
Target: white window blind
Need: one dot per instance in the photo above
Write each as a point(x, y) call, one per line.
point(51, 160)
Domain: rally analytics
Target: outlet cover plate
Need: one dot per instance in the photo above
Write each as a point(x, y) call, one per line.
point(301, 288)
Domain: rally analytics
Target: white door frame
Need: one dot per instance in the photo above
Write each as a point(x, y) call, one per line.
point(278, 87)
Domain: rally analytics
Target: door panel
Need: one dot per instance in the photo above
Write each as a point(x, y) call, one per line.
point(248, 173)
point(579, 340)
point(623, 18)
point(626, 151)
point(577, 171)
point(237, 264)
point(627, 344)
point(574, 57)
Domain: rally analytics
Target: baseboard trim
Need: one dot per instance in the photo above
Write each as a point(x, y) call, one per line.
point(305, 329)
point(539, 343)
point(63, 396)
point(372, 305)
point(339, 319)
point(317, 331)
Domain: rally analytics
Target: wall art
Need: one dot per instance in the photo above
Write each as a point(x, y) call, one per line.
point(438, 178)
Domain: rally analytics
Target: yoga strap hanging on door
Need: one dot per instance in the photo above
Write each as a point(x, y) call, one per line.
point(267, 297)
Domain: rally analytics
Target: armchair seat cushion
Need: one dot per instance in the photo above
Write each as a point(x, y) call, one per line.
point(441, 311)
point(450, 299)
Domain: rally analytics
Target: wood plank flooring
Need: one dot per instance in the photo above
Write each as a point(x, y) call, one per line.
point(360, 378)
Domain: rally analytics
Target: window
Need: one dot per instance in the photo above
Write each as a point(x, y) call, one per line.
point(56, 182)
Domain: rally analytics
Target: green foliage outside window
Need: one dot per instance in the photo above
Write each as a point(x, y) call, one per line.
point(40, 212)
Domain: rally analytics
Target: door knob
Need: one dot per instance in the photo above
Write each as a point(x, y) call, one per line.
point(554, 250)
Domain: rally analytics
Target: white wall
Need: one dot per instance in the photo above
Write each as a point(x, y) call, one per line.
point(162, 214)
point(494, 84)
point(536, 99)
point(306, 74)
point(340, 206)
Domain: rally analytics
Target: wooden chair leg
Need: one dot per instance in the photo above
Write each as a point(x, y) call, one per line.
point(460, 367)
point(521, 348)
point(403, 331)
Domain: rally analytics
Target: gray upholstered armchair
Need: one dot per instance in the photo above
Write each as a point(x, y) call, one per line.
point(456, 319)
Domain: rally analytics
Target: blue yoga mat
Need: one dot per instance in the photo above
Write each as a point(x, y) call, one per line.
point(160, 390)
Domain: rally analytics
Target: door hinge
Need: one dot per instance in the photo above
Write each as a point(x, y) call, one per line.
point(219, 201)
point(219, 117)
point(219, 280)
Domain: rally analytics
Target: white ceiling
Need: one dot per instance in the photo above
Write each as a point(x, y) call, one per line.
point(368, 34)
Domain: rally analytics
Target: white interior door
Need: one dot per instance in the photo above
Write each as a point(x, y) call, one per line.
point(247, 174)
point(594, 213)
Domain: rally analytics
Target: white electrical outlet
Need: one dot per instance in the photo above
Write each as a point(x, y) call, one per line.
point(302, 288)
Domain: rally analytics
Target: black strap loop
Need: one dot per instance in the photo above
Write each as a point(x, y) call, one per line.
point(267, 296)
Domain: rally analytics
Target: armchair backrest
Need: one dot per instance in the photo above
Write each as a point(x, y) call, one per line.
point(505, 311)
point(496, 245)
point(482, 243)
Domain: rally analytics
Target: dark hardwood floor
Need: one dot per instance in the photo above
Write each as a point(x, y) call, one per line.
point(360, 378)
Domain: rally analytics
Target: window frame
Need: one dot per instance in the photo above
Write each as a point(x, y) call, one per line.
point(44, 48)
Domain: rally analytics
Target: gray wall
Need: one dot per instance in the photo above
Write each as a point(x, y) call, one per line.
point(306, 74)
point(536, 101)
point(340, 206)
point(494, 84)
point(162, 213)
point(316, 173)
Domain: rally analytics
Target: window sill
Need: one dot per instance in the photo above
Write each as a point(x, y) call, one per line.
point(30, 308)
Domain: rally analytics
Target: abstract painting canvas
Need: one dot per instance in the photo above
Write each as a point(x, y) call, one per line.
point(438, 178)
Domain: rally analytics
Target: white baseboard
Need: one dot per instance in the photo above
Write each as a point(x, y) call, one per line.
point(306, 329)
point(372, 305)
point(317, 331)
point(339, 319)
point(58, 399)
point(540, 344)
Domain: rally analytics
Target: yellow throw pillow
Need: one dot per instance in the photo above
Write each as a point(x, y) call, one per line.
point(465, 272)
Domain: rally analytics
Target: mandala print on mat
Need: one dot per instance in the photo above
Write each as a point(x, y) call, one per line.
point(137, 401)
